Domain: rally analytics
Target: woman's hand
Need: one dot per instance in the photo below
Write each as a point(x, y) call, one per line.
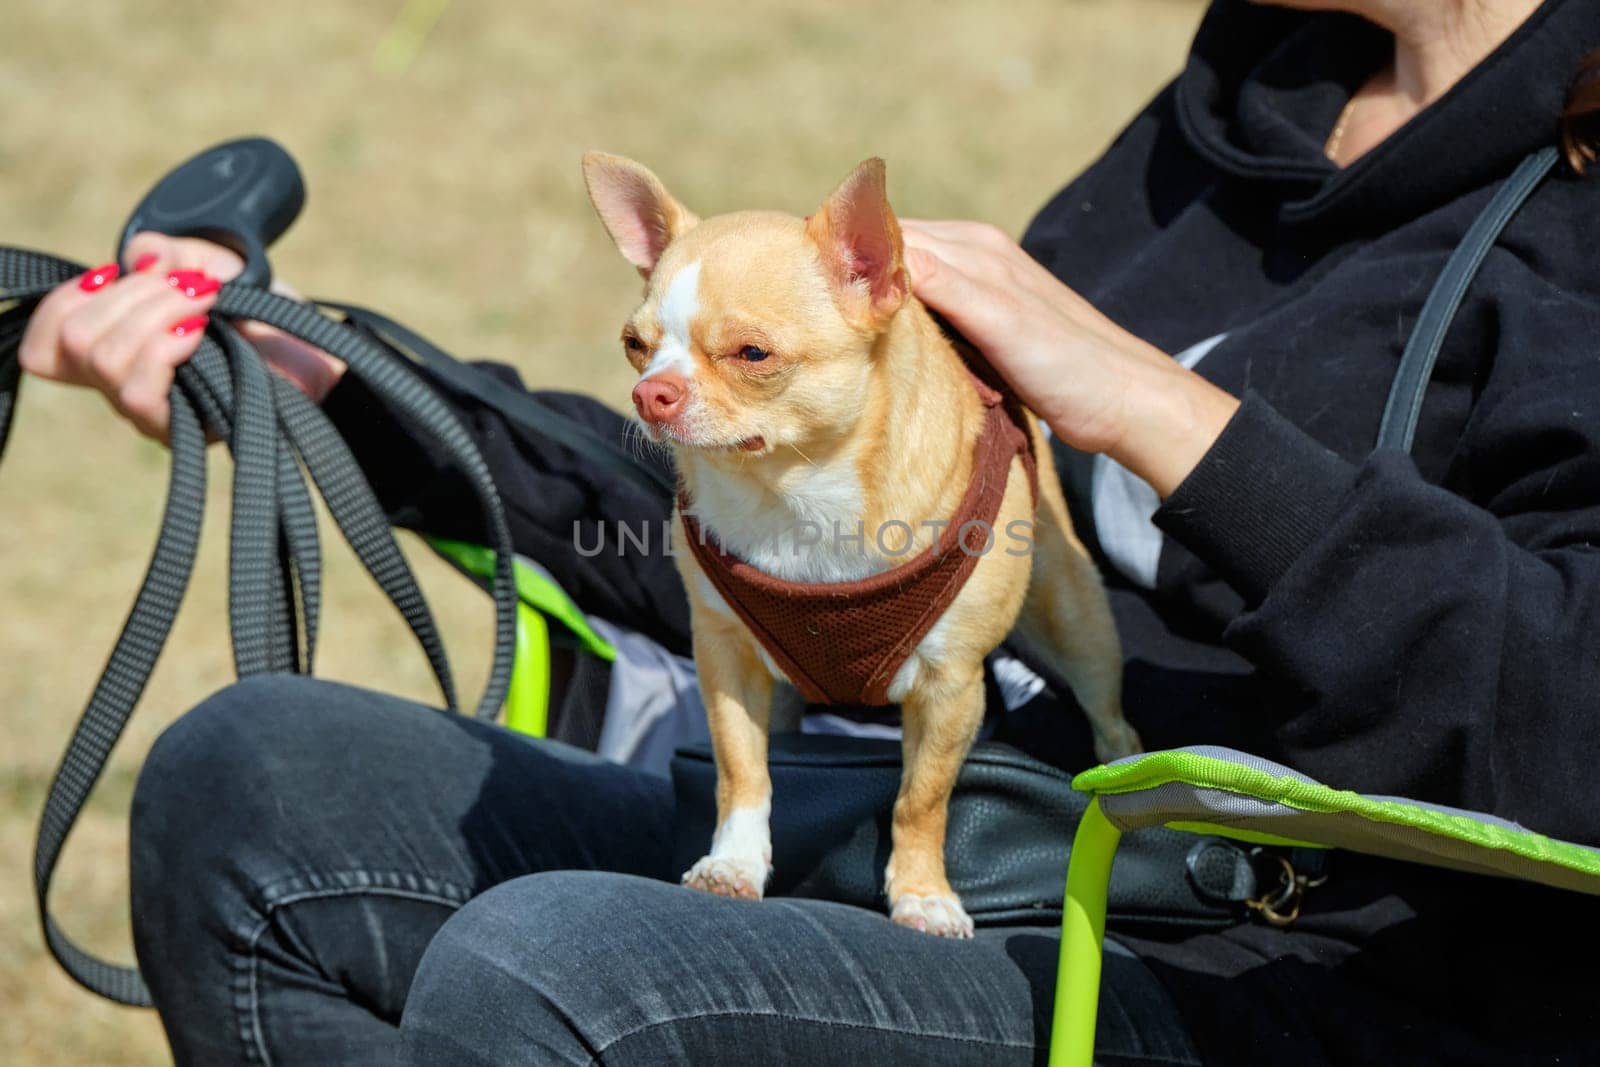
point(1100, 388)
point(126, 335)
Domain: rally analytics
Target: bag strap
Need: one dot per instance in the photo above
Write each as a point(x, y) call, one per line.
point(1404, 406)
point(275, 559)
point(519, 407)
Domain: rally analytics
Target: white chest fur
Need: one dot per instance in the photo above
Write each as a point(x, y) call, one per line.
point(808, 528)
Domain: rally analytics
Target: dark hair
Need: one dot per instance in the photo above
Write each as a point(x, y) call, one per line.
point(1580, 119)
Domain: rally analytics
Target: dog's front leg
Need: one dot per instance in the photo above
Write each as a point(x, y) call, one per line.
point(941, 717)
point(737, 691)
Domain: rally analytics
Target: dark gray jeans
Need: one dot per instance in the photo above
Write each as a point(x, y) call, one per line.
point(325, 875)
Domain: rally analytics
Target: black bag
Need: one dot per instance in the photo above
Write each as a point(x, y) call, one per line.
point(1011, 824)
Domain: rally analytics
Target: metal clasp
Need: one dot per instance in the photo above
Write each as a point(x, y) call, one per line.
point(1281, 906)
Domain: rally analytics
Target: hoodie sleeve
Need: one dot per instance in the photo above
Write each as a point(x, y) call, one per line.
point(559, 507)
point(1438, 646)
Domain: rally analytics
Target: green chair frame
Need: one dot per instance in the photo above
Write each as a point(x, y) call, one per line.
point(540, 603)
point(1220, 791)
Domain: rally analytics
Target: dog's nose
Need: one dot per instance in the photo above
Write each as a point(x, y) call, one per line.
point(659, 397)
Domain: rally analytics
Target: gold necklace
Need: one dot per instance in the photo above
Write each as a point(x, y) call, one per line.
point(1336, 138)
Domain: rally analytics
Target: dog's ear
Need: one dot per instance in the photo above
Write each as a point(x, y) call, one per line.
point(638, 212)
point(859, 238)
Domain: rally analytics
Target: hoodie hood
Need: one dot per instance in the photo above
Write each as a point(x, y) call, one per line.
point(1263, 88)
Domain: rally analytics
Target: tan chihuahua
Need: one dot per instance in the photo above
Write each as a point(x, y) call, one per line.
point(827, 431)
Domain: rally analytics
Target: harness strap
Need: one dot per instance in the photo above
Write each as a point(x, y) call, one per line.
point(275, 558)
point(843, 642)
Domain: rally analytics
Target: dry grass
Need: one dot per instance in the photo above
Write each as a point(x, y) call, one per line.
point(447, 194)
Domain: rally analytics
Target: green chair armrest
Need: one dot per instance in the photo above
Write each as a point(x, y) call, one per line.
point(1220, 791)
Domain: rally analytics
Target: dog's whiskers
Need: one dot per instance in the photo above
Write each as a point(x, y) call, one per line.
point(640, 444)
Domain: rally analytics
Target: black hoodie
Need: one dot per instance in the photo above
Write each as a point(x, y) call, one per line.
point(1426, 625)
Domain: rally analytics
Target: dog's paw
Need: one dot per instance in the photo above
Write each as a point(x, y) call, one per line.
point(1116, 741)
point(941, 916)
point(728, 876)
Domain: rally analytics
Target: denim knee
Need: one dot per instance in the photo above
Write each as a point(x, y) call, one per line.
point(253, 770)
point(204, 792)
point(208, 778)
point(532, 971)
point(582, 967)
point(192, 760)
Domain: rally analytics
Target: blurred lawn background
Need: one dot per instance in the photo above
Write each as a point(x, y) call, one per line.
point(445, 190)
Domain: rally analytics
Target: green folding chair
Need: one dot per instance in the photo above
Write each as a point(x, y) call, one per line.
point(1220, 791)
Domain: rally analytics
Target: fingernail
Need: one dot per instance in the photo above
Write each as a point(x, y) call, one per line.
point(193, 282)
point(189, 325)
point(146, 261)
point(99, 278)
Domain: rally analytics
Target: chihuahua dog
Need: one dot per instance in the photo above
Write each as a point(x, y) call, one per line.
point(826, 431)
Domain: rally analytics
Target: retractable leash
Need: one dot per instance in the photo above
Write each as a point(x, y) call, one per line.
point(244, 194)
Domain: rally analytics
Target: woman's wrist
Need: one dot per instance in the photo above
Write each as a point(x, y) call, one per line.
point(312, 371)
point(1171, 417)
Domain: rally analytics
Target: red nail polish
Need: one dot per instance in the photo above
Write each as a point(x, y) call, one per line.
point(193, 282)
point(189, 325)
point(99, 278)
point(146, 261)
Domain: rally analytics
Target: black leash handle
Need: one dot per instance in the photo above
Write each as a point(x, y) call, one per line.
point(240, 194)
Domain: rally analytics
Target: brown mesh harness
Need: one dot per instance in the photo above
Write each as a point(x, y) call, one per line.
point(842, 642)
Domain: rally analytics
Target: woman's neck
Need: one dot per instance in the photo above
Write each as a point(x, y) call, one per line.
point(1435, 44)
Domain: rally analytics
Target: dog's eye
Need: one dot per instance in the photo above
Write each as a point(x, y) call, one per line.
point(752, 354)
point(632, 343)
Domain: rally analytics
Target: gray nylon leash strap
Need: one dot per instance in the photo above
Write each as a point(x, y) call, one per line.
point(1404, 406)
point(357, 513)
point(274, 552)
point(12, 323)
point(254, 567)
point(391, 378)
point(206, 377)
